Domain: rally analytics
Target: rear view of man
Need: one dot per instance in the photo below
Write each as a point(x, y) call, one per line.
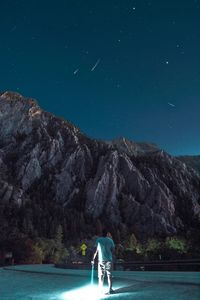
point(104, 248)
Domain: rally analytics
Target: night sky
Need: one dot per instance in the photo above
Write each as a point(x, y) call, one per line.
point(112, 67)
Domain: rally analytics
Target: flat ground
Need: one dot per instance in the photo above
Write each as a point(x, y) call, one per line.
point(44, 282)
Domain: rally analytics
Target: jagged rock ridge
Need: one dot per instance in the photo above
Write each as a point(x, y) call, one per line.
point(54, 175)
point(192, 161)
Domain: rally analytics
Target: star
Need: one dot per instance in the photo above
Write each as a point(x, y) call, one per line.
point(167, 62)
point(171, 104)
point(76, 71)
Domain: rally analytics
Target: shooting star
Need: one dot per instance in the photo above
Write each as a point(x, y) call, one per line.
point(76, 71)
point(171, 104)
point(96, 64)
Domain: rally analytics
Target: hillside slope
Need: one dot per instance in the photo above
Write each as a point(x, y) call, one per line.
point(51, 174)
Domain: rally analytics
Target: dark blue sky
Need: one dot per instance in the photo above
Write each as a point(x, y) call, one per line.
point(146, 83)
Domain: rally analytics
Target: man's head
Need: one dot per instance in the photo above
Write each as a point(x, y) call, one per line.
point(104, 232)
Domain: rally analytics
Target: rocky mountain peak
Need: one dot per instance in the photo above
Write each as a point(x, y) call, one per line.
point(16, 97)
point(133, 148)
point(55, 175)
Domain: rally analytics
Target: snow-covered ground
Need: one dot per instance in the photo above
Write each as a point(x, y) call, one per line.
point(44, 282)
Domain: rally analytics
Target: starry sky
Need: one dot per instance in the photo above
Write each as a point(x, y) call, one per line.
point(112, 67)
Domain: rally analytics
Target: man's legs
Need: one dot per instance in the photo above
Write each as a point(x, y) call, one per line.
point(101, 274)
point(109, 275)
point(109, 282)
point(101, 281)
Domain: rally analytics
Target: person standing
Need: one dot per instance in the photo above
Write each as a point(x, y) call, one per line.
point(104, 248)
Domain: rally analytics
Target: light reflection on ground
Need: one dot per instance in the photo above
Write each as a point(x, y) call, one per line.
point(45, 282)
point(84, 293)
point(89, 292)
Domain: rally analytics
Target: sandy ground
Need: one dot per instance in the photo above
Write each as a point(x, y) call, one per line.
point(43, 282)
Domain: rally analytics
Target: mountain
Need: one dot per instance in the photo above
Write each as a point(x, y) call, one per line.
point(52, 174)
point(192, 161)
point(131, 148)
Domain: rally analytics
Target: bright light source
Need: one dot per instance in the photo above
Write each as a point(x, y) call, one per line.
point(84, 293)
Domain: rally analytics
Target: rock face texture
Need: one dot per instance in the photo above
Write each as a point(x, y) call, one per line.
point(192, 161)
point(51, 174)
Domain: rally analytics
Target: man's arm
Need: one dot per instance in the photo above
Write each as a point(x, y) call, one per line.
point(94, 256)
point(113, 248)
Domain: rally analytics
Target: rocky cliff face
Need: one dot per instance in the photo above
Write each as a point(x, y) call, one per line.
point(191, 161)
point(51, 174)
